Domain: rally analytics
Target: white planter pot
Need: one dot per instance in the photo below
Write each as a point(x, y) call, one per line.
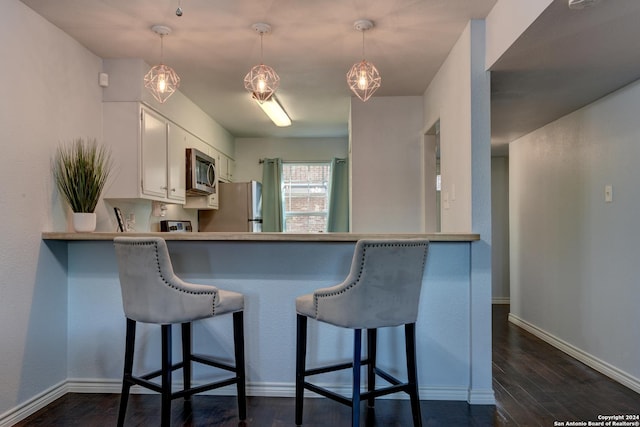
point(84, 222)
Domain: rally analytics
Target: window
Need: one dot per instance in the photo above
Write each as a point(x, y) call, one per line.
point(305, 194)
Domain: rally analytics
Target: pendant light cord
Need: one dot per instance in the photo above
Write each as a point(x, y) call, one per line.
point(161, 49)
point(261, 52)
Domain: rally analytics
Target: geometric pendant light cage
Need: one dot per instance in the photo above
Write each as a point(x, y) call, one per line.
point(161, 80)
point(363, 78)
point(261, 81)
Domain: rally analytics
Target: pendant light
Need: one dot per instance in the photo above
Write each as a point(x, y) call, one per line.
point(161, 80)
point(261, 81)
point(363, 78)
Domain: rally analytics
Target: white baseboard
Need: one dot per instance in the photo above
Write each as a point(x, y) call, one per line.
point(268, 390)
point(481, 397)
point(33, 405)
point(500, 300)
point(78, 385)
point(599, 365)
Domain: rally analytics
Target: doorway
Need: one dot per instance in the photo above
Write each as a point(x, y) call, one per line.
point(431, 168)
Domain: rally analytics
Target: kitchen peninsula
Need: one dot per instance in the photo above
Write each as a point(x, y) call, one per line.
point(271, 269)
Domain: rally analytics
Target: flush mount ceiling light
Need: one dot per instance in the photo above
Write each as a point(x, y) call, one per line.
point(261, 81)
point(363, 78)
point(274, 110)
point(161, 80)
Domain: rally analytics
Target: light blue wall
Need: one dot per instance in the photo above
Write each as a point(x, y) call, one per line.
point(270, 275)
point(459, 98)
point(574, 257)
point(480, 105)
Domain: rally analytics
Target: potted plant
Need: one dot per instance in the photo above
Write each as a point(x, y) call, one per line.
point(80, 170)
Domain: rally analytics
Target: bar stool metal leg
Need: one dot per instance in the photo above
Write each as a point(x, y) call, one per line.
point(165, 415)
point(412, 372)
point(357, 356)
point(372, 335)
point(186, 357)
point(301, 354)
point(128, 370)
point(238, 342)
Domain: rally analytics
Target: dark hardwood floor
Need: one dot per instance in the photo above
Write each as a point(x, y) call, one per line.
point(535, 385)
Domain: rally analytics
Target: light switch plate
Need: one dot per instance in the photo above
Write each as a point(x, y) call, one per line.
point(103, 79)
point(608, 193)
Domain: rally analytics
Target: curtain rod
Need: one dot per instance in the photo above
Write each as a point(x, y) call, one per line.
point(261, 161)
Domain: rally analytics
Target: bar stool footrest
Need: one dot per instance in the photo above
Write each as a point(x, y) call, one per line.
point(332, 368)
point(206, 360)
point(204, 387)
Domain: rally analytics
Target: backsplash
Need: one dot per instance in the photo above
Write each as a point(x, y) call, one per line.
point(141, 215)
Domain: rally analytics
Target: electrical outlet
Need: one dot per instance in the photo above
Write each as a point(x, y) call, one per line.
point(130, 222)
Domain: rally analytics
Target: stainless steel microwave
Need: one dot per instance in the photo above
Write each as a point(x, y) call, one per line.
point(202, 178)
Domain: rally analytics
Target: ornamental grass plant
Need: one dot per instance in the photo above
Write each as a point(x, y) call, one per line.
point(80, 170)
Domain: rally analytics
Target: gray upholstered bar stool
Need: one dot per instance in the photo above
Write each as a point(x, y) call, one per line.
point(381, 290)
point(152, 293)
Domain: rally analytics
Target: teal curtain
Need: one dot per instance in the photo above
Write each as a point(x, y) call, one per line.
point(338, 218)
point(272, 218)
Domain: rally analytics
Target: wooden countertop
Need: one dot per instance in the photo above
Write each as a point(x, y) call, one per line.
point(267, 237)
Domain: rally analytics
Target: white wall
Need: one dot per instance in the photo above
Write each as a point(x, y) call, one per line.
point(50, 95)
point(500, 229)
point(574, 257)
point(448, 99)
point(250, 150)
point(386, 165)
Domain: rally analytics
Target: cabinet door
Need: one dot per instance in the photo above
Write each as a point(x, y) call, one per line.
point(212, 201)
point(231, 166)
point(223, 167)
point(154, 155)
point(176, 163)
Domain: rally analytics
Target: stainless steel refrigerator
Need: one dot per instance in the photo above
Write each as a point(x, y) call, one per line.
point(240, 208)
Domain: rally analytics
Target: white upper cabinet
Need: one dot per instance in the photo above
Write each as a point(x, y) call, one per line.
point(224, 165)
point(148, 152)
point(154, 155)
point(176, 163)
point(149, 156)
point(163, 158)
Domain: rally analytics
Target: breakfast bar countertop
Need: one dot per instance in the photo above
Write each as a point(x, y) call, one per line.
point(266, 237)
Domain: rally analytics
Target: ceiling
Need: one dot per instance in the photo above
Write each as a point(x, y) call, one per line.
point(564, 60)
